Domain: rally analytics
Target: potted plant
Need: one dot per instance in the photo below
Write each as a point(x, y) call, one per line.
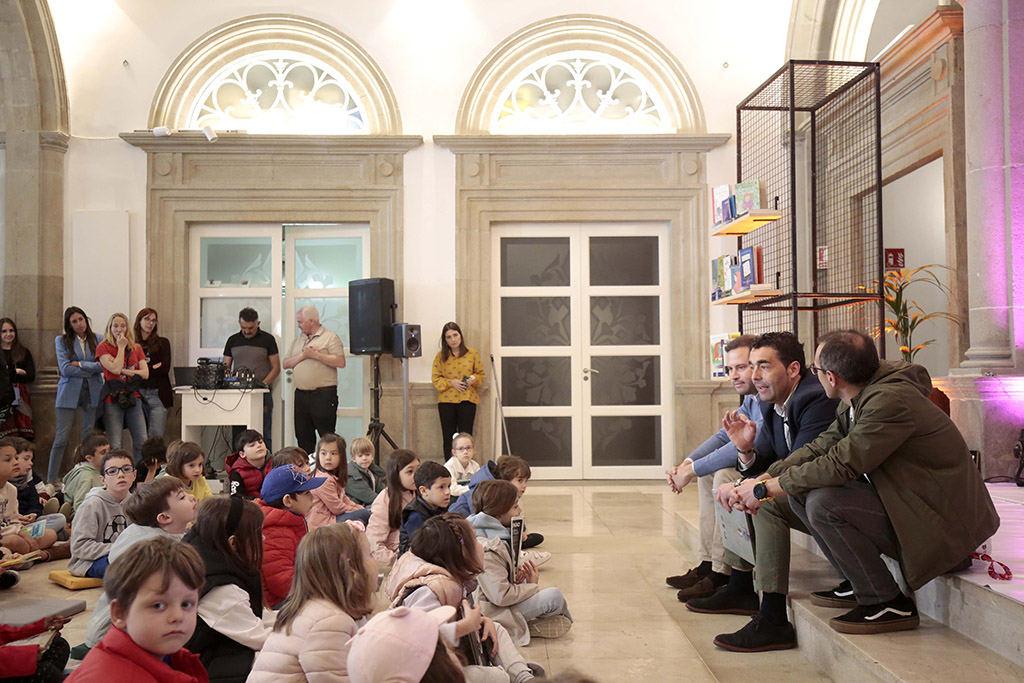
point(903, 314)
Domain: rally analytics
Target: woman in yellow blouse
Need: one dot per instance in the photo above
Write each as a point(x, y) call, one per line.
point(457, 374)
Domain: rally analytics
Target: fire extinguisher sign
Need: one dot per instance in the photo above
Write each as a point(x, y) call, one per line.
point(895, 259)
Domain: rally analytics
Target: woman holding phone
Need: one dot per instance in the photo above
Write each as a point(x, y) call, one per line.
point(457, 374)
point(124, 368)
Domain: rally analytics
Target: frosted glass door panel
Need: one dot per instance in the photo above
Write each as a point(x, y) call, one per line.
point(625, 320)
point(235, 261)
point(625, 440)
point(542, 441)
point(350, 429)
point(536, 321)
point(625, 380)
point(328, 262)
point(535, 262)
point(536, 381)
point(334, 316)
point(624, 261)
point(218, 318)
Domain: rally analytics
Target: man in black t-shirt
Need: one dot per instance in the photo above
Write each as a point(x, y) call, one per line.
point(256, 350)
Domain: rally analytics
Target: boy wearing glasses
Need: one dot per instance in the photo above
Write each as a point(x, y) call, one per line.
point(101, 517)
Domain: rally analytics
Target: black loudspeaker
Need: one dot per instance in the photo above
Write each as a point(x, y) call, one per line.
point(371, 306)
point(407, 341)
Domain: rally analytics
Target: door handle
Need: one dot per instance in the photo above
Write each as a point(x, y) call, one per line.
point(586, 370)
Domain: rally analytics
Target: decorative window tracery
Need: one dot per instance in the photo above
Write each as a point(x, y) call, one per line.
point(279, 92)
point(579, 92)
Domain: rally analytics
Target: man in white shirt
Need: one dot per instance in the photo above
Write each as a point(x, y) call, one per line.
point(314, 358)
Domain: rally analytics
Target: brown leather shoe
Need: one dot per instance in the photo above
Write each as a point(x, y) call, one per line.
point(57, 551)
point(684, 581)
point(702, 589)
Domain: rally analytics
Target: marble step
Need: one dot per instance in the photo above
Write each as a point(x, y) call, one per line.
point(935, 651)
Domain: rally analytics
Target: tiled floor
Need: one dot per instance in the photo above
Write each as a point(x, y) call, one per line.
point(613, 546)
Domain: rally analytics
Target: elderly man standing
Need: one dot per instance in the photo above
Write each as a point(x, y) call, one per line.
point(314, 359)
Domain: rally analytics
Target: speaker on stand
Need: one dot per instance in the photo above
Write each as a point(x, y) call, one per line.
point(407, 343)
point(371, 313)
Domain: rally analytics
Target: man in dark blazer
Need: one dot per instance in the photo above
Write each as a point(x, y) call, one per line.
point(796, 411)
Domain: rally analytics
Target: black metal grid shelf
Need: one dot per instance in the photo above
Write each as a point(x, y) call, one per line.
point(830, 113)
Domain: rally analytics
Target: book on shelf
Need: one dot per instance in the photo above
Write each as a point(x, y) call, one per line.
point(718, 342)
point(724, 274)
point(736, 275)
point(727, 210)
point(719, 193)
point(751, 266)
point(750, 195)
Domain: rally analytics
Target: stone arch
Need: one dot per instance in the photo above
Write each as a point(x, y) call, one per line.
point(33, 94)
point(573, 32)
point(201, 60)
point(830, 29)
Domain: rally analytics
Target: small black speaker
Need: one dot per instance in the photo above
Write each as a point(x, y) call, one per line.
point(371, 306)
point(407, 341)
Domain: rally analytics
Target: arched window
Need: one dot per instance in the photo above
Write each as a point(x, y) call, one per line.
point(279, 91)
point(580, 91)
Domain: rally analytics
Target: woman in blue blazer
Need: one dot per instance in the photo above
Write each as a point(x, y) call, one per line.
point(81, 378)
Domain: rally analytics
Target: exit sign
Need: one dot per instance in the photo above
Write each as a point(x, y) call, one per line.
point(895, 259)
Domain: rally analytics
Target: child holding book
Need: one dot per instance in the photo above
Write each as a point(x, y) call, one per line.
point(34, 663)
point(462, 464)
point(287, 499)
point(366, 478)
point(441, 568)
point(433, 493)
point(248, 465)
point(186, 462)
point(330, 504)
point(147, 644)
point(30, 487)
point(386, 518)
point(510, 593)
point(101, 519)
point(13, 534)
point(163, 508)
point(230, 629)
point(332, 594)
point(85, 475)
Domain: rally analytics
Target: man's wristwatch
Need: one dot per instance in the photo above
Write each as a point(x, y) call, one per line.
point(761, 491)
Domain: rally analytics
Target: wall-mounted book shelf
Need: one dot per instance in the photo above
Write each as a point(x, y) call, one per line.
point(746, 224)
point(749, 295)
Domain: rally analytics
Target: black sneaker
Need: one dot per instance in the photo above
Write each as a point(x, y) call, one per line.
point(759, 636)
point(79, 652)
point(722, 601)
point(896, 615)
point(684, 581)
point(841, 596)
point(532, 541)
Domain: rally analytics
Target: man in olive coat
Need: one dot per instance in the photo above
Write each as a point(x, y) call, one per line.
point(891, 476)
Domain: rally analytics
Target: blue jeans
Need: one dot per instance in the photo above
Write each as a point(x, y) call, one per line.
point(157, 412)
point(546, 602)
point(98, 568)
point(65, 417)
point(359, 515)
point(115, 419)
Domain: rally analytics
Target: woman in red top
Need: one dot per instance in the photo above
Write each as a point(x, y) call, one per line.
point(124, 367)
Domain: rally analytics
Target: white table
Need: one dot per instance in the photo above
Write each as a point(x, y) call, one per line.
point(205, 408)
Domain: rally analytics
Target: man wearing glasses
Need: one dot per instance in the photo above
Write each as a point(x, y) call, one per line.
point(712, 464)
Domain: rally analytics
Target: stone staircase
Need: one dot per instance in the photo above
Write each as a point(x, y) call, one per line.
point(967, 632)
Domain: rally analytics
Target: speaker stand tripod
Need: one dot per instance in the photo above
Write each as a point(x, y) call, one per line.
point(376, 428)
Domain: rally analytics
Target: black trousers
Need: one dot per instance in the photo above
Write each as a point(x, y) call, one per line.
point(455, 417)
point(315, 411)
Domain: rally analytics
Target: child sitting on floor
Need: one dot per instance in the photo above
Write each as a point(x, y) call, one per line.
point(330, 504)
point(152, 458)
point(332, 594)
point(33, 663)
point(508, 593)
point(366, 478)
point(186, 461)
point(85, 475)
point(433, 493)
point(31, 488)
point(161, 508)
point(287, 499)
point(461, 464)
point(404, 644)
point(231, 628)
point(13, 533)
point(441, 568)
point(100, 520)
point(146, 644)
point(248, 465)
point(292, 455)
point(386, 521)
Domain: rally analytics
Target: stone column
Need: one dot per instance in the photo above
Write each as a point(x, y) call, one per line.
point(994, 119)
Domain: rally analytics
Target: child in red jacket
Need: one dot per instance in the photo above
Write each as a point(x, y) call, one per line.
point(286, 501)
point(146, 643)
point(27, 662)
point(248, 465)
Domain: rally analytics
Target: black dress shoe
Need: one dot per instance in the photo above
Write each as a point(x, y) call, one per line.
point(896, 615)
point(532, 541)
point(841, 596)
point(759, 636)
point(684, 581)
point(702, 589)
point(722, 601)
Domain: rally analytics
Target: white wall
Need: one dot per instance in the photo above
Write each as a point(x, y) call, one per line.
point(3, 218)
point(913, 218)
point(428, 51)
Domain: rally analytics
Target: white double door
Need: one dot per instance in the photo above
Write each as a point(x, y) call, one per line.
point(277, 269)
point(579, 324)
